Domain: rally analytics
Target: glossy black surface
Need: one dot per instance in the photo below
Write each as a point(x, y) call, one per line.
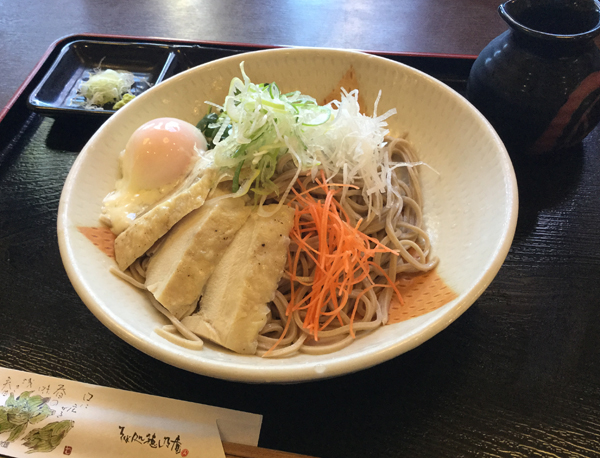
point(515, 376)
point(557, 17)
point(538, 87)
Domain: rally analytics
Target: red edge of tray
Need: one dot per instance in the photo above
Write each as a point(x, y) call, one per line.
point(53, 46)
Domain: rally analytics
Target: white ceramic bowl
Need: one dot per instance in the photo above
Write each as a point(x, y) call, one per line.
point(470, 207)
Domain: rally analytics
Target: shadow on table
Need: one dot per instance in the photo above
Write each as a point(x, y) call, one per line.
point(71, 134)
point(545, 182)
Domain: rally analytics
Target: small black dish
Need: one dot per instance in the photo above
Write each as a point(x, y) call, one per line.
point(57, 94)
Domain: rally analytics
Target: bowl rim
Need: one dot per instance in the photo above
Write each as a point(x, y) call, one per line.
point(283, 374)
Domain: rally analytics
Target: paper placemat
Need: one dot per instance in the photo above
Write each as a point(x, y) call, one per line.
point(58, 417)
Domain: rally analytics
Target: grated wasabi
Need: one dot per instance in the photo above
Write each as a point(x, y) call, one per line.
point(124, 100)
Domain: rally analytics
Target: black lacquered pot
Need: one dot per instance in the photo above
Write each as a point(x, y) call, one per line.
point(538, 83)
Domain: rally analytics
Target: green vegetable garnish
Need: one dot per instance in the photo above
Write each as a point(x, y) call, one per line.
point(256, 126)
point(209, 125)
point(236, 177)
point(106, 87)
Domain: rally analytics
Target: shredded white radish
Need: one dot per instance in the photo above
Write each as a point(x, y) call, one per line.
point(352, 144)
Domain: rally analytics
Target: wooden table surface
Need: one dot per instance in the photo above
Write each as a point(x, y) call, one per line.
point(517, 375)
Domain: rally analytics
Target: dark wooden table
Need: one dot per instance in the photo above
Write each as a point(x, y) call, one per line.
point(517, 375)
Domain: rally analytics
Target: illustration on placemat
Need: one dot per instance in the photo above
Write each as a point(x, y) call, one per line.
point(47, 438)
point(19, 412)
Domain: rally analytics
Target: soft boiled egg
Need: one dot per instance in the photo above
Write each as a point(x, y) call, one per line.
point(155, 162)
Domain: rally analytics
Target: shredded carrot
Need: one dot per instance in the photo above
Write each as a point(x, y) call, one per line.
point(343, 259)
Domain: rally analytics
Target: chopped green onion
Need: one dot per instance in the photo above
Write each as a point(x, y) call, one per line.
point(274, 90)
point(236, 178)
point(259, 124)
point(321, 117)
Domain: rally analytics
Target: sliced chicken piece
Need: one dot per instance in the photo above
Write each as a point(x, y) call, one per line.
point(138, 238)
point(177, 272)
point(234, 307)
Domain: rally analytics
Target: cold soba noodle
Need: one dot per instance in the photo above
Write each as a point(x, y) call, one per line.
point(394, 218)
point(358, 216)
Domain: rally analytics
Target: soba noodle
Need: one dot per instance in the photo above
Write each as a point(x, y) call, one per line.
point(393, 217)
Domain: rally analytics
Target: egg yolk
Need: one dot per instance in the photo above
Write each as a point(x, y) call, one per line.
point(161, 152)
